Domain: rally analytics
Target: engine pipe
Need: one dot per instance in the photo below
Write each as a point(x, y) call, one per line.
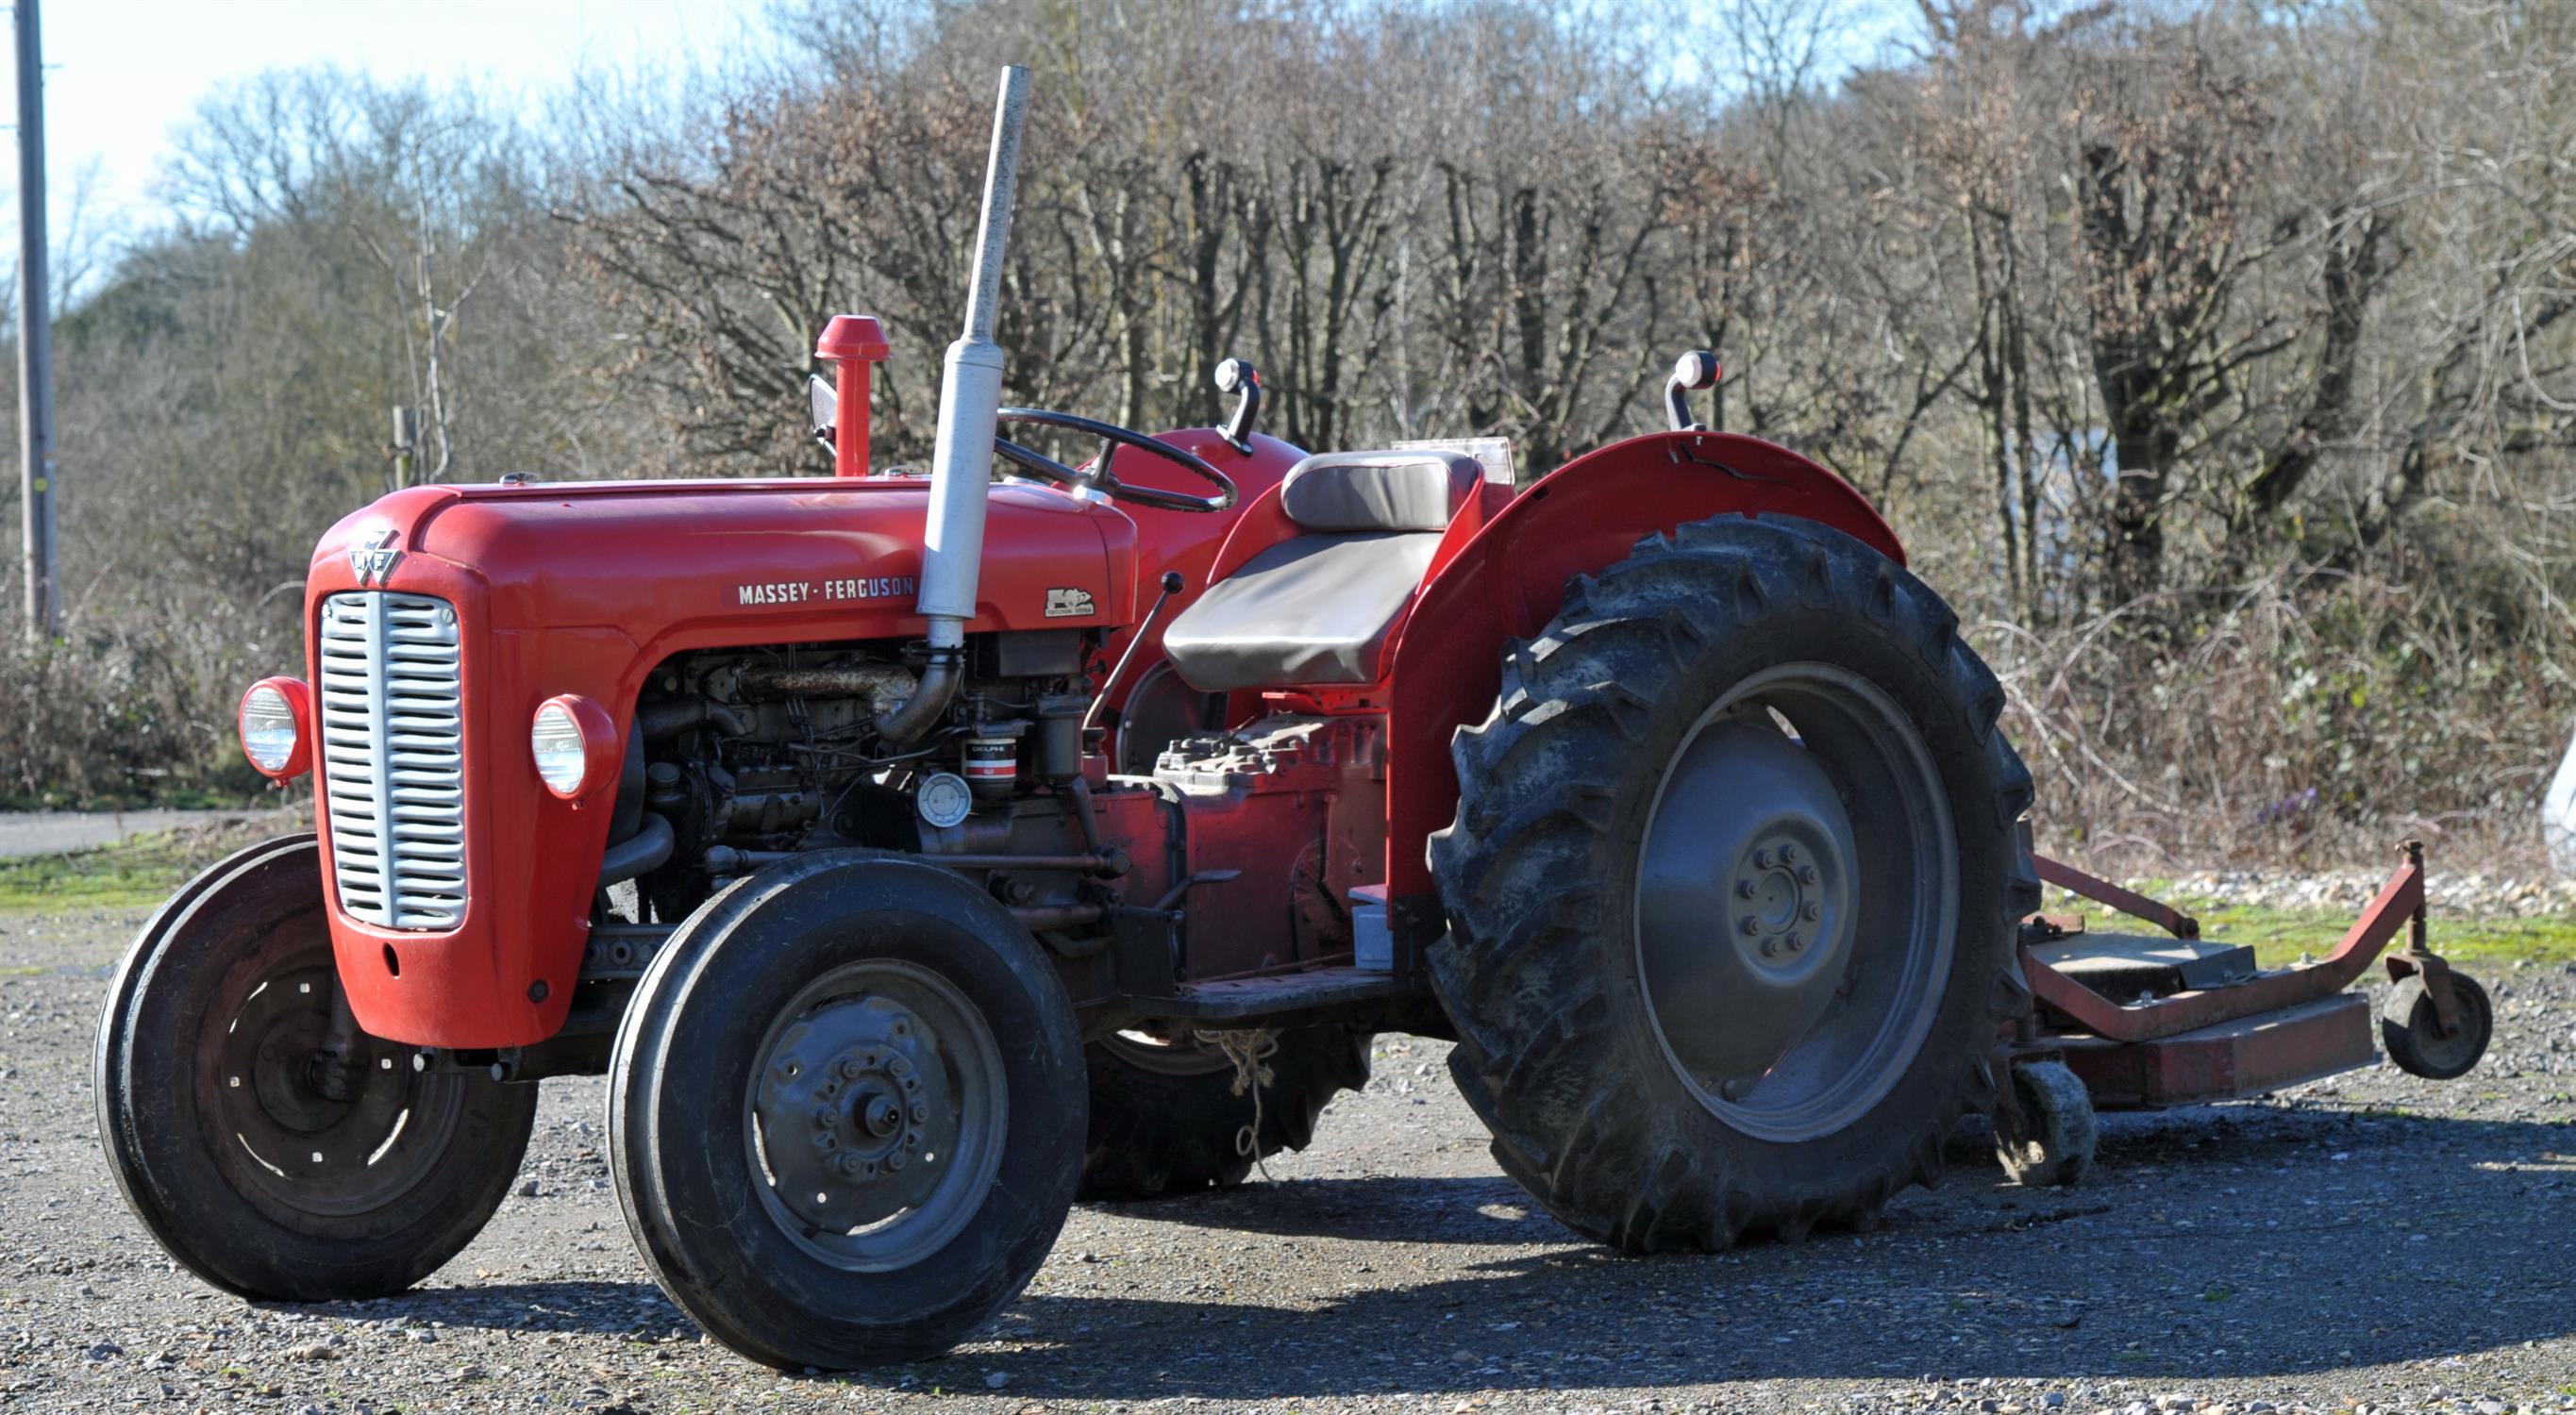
point(961, 461)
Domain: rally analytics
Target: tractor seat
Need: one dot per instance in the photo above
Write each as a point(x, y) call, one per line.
point(1317, 608)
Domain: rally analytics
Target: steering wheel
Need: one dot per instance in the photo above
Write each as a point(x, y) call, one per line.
point(1099, 478)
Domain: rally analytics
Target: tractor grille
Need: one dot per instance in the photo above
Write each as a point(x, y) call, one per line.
point(393, 758)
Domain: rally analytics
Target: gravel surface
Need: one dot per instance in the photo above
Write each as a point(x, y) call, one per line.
point(2475, 894)
point(2374, 1241)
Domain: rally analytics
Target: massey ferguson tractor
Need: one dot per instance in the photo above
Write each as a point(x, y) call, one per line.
point(917, 855)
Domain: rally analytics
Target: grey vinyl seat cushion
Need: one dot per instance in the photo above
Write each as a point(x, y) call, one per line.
point(1318, 608)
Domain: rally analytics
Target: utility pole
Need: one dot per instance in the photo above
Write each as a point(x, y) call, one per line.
point(35, 341)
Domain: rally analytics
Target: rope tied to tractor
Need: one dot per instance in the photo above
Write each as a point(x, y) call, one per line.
point(1250, 1051)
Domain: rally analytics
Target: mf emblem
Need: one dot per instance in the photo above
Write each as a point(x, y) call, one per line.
point(375, 559)
point(1068, 604)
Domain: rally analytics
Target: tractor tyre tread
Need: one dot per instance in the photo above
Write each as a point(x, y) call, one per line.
point(1155, 1134)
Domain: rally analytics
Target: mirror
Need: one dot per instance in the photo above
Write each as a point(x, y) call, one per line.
point(825, 415)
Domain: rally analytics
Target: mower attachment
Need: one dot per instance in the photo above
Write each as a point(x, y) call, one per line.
point(2152, 1022)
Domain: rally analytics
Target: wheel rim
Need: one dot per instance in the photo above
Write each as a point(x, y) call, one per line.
point(1183, 1056)
point(877, 1113)
point(283, 1139)
point(1793, 902)
point(2457, 1050)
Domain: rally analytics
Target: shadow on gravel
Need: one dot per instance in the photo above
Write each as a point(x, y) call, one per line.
point(2229, 1243)
point(1376, 1209)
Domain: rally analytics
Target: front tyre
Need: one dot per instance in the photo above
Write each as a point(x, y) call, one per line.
point(268, 1160)
point(1733, 890)
point(846, 1111)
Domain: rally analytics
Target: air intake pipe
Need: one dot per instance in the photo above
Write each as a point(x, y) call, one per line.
point(961, 463)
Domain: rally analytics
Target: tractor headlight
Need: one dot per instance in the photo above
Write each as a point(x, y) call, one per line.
point(274, 717)
point(575, 746)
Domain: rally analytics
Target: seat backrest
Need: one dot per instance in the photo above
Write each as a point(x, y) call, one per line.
point(1343, 492)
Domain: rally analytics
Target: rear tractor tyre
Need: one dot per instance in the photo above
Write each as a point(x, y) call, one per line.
point(1167, 1117)
point(1733, 889)
point(266, 1160)
point(846, 1111)
point(2046, 1138)
point(2412, 1030)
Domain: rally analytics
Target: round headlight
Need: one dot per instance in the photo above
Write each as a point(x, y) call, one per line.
point(575, 745)
point(272, 727)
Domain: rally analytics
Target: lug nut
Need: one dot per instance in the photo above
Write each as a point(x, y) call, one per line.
point(1806, 874)
point(920, 1112)
point(1770, 948)
point(1788, 854)
point(1744, 889)
point(1813, 910)
point(824, 1141)
point(848, 1164)
point(851, 1069)
point(896, 1160)
point(1761, 859)
point(1749, 925)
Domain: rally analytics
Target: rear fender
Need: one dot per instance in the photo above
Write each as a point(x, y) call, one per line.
point(1509, 581)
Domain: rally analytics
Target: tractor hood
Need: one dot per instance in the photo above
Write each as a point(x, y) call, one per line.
point(729, 561)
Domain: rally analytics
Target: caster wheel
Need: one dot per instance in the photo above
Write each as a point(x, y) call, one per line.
point(2050, 1142)
point(2413, 1033)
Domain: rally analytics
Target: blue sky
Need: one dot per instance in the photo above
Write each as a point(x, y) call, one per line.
point(121, 74)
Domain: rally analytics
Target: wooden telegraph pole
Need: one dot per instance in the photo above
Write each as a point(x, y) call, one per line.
point(35, 342)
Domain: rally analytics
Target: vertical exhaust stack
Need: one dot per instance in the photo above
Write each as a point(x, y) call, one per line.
point(961, 464)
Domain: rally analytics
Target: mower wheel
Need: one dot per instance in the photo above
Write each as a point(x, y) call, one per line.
point(2412, 1030)
point(2046, 1137)
point(270, 1163)
point(846, 1111)
point(1168, 1117)
point(1733, 890)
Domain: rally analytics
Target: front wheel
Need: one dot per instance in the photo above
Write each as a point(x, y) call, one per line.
point(1733, 889)
point(846, 1111)
point(271, 1157)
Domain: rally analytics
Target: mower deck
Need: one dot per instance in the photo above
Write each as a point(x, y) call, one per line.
point(2148, 1022)
point(2231, 1059)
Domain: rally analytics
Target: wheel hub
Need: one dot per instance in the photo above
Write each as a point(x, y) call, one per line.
point(864, 1077)
point(1752, 838)
point(269, 1080)
point(1785, 994)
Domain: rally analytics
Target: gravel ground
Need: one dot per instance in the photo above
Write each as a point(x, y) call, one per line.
point(2374, 1241)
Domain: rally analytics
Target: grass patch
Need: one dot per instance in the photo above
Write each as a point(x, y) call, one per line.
point(2279, 936)
point(137, 872)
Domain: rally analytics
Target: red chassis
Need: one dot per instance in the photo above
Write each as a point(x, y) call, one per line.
point(586, 588)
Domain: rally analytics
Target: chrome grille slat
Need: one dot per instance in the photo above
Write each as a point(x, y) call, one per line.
point(393, 757)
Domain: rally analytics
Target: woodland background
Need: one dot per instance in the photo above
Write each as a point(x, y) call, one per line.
point(2214, 358)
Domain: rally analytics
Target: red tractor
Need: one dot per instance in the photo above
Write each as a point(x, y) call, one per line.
point(916, 855)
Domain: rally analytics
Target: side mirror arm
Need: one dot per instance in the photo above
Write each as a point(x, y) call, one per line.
point(1694, 370)
point(1239, 376)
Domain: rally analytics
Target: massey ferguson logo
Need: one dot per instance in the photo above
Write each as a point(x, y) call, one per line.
point(375, 560)
point(799, 591)
point(1068, 604)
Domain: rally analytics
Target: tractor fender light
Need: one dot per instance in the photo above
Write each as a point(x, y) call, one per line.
point(575, 746)
point(276, 721)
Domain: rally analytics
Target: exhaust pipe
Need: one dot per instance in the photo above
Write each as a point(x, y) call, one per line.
point(961, 463)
